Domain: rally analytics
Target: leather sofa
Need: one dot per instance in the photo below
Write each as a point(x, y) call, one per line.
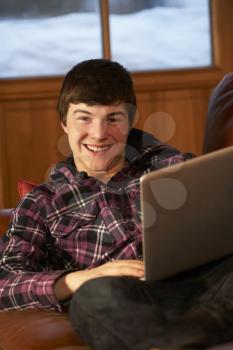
point(35, 329)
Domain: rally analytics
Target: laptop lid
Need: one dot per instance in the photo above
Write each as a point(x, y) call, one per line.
point(187, 214)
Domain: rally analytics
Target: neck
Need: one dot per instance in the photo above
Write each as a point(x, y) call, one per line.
point(103, 176)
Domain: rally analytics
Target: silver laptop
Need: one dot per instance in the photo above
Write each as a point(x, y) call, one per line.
point(187, 214)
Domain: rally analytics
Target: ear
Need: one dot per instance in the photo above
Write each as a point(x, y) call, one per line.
point(64, 127)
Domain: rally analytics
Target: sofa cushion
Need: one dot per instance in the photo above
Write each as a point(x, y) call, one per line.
point(36, 330)
point(24, 187)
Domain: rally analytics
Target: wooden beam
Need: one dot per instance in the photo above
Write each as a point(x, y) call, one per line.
point(104, 14)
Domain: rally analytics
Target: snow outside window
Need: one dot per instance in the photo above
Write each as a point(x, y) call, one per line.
point(167, 34)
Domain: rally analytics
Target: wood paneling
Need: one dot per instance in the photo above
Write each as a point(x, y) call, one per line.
point(31, 133)
point(176, 117)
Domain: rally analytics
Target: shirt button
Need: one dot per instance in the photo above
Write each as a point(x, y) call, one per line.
point(131, 226)
point(83, 175)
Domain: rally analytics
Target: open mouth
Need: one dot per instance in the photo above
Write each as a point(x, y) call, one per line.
point(97, 149)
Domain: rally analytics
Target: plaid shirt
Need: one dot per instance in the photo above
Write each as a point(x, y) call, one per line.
point(74, 222)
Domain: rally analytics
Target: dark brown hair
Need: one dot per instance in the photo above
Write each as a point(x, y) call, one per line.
point(97, 81)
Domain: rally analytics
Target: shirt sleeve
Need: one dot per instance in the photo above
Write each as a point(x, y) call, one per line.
point(164, 155)
point(170, 155)
point(26, 279)
point(177, 158)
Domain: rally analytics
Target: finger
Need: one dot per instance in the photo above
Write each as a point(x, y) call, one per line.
point(125, 270)
point(136, 263)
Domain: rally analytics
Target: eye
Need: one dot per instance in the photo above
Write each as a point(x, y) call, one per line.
point(114, 120)
point(83, 118)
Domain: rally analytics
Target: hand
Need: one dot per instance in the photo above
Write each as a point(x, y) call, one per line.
point(69, 283)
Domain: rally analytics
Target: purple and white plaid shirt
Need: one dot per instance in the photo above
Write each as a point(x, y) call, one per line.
point(74, 222)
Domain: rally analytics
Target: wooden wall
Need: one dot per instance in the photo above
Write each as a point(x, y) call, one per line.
point(172, 105)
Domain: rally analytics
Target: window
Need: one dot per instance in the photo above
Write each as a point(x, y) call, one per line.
point(46, 38)
point(161, 34)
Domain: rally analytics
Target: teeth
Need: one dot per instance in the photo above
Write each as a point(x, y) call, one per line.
point(97, 148)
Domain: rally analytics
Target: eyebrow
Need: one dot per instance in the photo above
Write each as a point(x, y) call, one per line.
point(116, 113)
point(81, 111)
point(112, 114)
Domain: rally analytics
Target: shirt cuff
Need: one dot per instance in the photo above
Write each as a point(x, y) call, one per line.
point(43, 289)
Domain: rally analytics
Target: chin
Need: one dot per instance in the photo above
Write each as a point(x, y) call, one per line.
point(99, 170)
point(97, 167)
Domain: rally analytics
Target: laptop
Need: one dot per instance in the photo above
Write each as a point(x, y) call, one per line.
point(187, 214)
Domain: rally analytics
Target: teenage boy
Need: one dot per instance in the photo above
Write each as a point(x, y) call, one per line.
point(77, 239)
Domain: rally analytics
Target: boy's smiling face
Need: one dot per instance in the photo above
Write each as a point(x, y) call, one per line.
point(97, 136)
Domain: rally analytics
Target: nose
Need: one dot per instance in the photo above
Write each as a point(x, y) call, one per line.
point(99, 130)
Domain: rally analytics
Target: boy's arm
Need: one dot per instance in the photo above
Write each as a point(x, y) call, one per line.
point(25, 281)
point(69, 283)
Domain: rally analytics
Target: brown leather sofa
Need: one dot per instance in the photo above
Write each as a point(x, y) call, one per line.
point(35, 329)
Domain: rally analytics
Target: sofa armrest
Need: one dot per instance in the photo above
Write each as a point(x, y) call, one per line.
point(36, 330)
